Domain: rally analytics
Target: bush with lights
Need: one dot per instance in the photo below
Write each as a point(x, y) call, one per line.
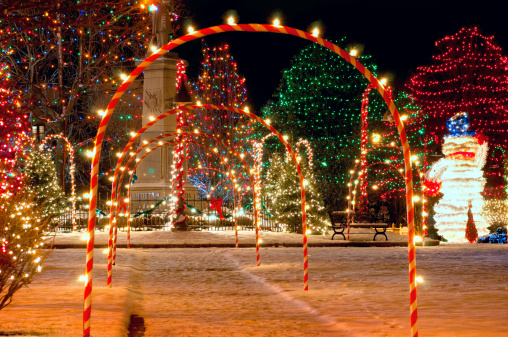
point(23, 224)
point(282, 190)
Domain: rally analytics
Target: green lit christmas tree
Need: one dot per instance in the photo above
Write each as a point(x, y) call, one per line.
point(281, 189)
point(319, 99)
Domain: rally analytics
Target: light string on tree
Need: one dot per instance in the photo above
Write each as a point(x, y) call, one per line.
point(72, 173)
point(180, 152)
point(196, 132)
point(364, 112)
point(469, 74)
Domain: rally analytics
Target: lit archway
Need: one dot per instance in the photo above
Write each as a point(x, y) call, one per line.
point(252, 28)
point(112, 228)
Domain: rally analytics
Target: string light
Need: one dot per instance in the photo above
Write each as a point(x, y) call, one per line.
point(460, 175)
point(469, 74)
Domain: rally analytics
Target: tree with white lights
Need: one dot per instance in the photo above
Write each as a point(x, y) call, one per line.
point(282, 189)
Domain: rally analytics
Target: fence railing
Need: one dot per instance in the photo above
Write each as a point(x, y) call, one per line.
point(159, 219)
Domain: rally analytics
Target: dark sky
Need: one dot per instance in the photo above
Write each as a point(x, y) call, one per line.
point(399, 34)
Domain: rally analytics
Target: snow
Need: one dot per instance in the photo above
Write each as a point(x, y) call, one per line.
point(353, 291)
point(220, 238)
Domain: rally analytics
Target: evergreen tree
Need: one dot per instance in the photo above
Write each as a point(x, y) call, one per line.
point(469, 74)
point(471, 231)
point(281, 189)
point(319, 99)
point(220, 84)
point(40, 180)
point(21, 253)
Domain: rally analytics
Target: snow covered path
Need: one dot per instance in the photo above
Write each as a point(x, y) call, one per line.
point(353, 292)
point(212, 294)
point(220, 292)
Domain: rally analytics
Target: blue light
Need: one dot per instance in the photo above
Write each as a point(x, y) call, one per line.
point(458, 125)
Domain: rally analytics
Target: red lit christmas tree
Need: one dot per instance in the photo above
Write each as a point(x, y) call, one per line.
point(219, 83)
point(471, 231)
point(470, 74)
point(13, 122)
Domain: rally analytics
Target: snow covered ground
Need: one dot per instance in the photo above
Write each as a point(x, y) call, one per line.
point(221, 238)
point(220, 292)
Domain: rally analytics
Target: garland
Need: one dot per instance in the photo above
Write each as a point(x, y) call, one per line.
point(199, 212)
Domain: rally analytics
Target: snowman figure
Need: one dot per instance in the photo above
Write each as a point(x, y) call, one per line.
point(459, 177)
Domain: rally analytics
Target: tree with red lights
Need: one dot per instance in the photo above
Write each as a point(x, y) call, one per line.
point(220, 84)
point(13, 121)
point(471, 231)
point(470, 74)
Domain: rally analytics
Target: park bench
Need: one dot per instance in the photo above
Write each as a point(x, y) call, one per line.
point(339, 224)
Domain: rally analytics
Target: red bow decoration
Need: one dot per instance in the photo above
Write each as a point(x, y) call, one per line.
point(432, 187)
point(481, 138)
point(216, 204)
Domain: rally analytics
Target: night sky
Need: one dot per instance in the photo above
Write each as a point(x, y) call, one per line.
point(399, 34)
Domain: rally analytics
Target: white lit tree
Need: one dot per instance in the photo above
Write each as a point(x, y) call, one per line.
point(40, 180)
point(282, 189)
point(21, 242)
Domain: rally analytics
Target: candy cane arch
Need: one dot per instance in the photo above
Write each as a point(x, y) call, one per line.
point(309, 150)
point(129, 193)
point(112, 239)
point(251, 28)
point(257, 190)
point(136, 137)
point(170, 134)
point(72, 170)
point(362, 207)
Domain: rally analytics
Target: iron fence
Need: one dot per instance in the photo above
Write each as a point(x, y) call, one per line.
point(201, 217)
